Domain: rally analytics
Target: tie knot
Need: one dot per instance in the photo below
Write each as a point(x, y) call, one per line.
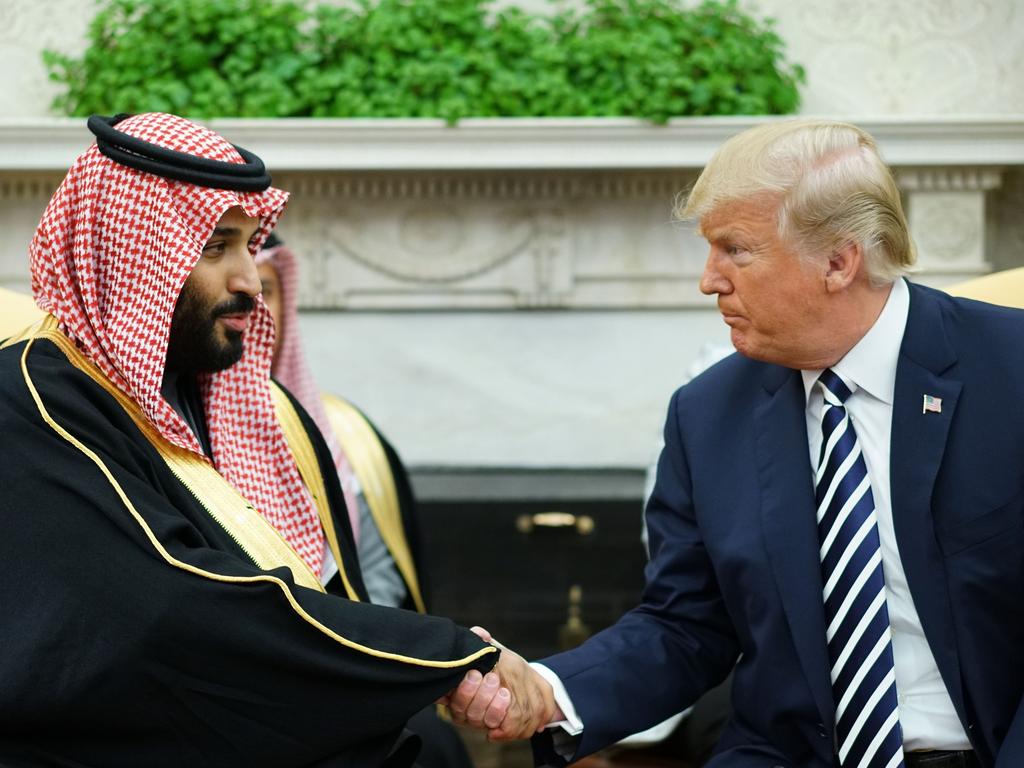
point(835, 386)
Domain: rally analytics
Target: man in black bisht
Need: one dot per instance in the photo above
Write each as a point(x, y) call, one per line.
point(180, 584)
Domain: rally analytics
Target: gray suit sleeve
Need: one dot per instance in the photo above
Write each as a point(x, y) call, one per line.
point(380, 574)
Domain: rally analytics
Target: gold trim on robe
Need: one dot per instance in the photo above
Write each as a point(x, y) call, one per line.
point(260, 540)
point(309, 468)
point(48, 330)
point(365, 453)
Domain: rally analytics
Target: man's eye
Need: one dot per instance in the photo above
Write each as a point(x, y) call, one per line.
point(215, 249)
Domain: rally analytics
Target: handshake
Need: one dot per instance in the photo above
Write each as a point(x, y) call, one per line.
point(511, 702)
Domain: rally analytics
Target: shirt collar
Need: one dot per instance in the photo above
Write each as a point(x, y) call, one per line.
point(871, 364)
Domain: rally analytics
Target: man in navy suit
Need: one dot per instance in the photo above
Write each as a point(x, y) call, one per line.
point(839, 508)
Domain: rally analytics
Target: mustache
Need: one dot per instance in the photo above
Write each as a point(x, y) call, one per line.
point(238, 305)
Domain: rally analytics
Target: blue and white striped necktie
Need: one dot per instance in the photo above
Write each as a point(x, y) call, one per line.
point(859, 639)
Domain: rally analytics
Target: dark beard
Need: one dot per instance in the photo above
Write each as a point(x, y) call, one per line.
point(194, 346)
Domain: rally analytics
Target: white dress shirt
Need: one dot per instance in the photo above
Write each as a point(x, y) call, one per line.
point(926, 712)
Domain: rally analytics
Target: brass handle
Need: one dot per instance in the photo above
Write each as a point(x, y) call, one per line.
point(584, 524)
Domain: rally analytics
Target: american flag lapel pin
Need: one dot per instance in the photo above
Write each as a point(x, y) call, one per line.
point(932, 403)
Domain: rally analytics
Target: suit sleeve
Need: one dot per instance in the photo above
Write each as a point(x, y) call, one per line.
point(1011, 752)
point(680, 632)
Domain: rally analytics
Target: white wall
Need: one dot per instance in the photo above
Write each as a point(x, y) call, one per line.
point(519, 389)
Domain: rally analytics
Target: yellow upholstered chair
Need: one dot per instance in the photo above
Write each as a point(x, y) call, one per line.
point(17, 312)
point(1005, 288)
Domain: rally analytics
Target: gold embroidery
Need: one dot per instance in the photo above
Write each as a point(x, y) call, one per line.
point(26, 333)
point(309, 469)
point(49, 331)
point(228, 508)
point(370, 463)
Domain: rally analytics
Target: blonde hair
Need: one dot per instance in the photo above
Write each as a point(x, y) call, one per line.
point(830, 183)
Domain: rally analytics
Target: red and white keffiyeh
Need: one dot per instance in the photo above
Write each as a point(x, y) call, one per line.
point(291, 369)
point(109, 259)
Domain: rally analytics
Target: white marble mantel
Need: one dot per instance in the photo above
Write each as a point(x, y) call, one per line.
point(526, 213)
point(422, 245)
point(505, 144)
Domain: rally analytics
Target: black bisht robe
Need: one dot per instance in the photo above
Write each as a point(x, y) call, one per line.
point(110, 655)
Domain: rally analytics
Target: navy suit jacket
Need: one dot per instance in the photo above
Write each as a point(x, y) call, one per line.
point(734, 570)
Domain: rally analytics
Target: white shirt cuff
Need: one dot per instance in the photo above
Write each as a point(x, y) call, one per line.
point(572, 723)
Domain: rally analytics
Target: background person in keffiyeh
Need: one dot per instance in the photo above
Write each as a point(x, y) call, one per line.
point(168, 515)
point(858, 556)
point(384, 536)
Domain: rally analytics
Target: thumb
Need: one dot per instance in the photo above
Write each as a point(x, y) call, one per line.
point(482, 633)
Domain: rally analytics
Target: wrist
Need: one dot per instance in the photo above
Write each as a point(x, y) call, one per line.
point(553, 713)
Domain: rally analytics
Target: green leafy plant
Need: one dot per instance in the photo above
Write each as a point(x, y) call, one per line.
point(646, 57)
point(422, 58)
point(199, 57)
point(426, 58)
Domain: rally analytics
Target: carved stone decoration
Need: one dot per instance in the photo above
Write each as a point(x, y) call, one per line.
point(553, 261)
point(573, 240)
point(410, 254)
point(946, 212)
point(433, 234)
point(23, 198)
point(947, 227)
point(541, 239)
point(430, 242)
point(527, 240)
point(967, 178)
point(632, 251)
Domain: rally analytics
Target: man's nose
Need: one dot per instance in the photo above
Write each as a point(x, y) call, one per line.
point(711, 280)
point(245, 278)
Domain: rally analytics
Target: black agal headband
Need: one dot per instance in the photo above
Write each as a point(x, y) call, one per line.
point(128, 150)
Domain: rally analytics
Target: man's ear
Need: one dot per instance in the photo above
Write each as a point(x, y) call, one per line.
point(844, 265)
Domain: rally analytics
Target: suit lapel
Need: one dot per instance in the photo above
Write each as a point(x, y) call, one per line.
point(788, 519)
point(917, 445)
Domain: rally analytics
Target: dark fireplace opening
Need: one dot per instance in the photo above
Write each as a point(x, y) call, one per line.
point(540, 575)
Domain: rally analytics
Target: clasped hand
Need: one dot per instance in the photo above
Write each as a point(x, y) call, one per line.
point(511, 702)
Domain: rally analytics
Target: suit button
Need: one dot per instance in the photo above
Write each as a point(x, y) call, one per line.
point(821, 731)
